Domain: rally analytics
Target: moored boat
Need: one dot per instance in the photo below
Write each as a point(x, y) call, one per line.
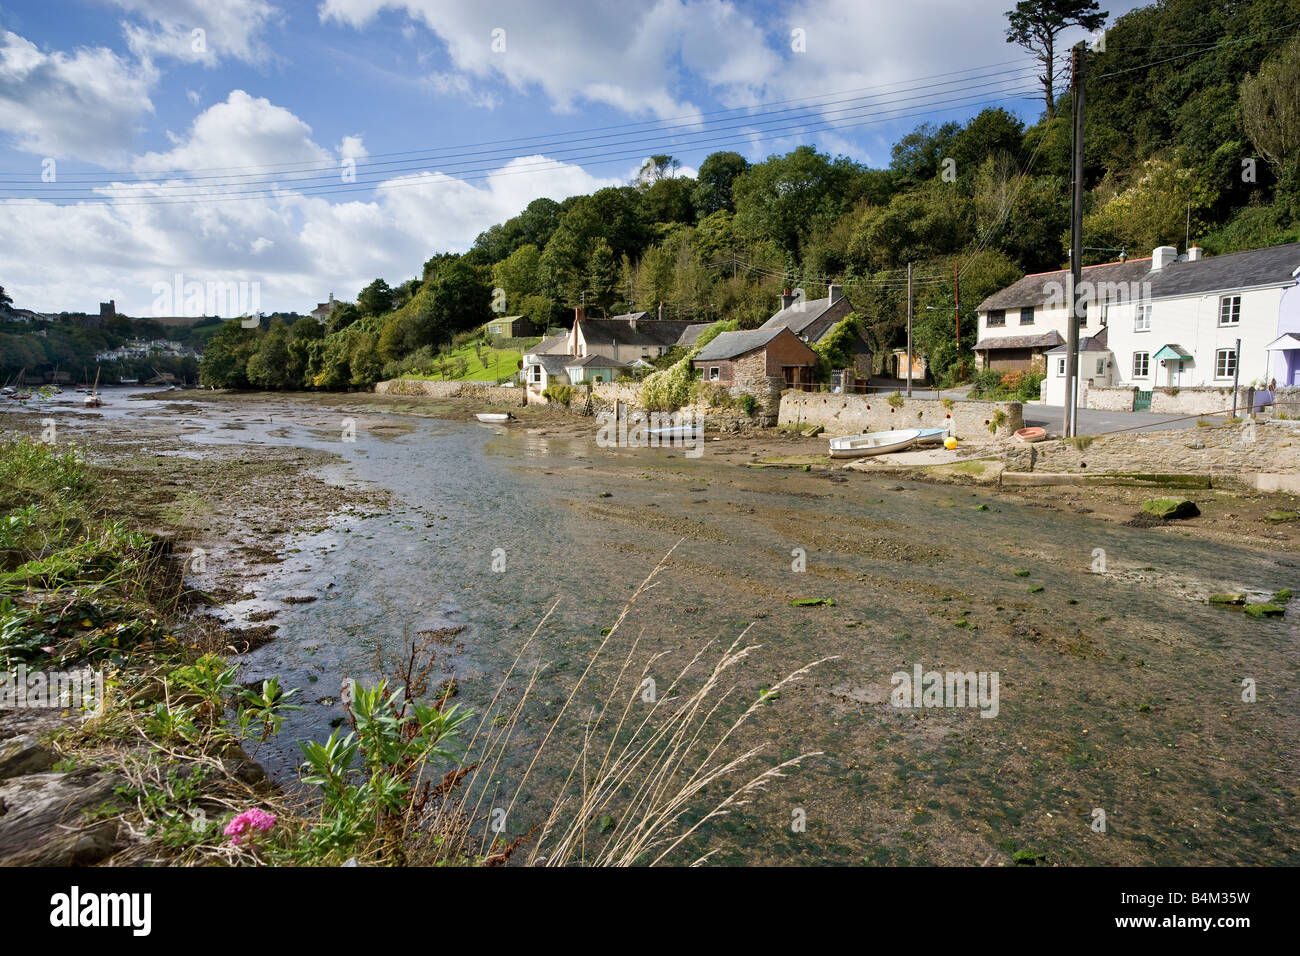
point(881, 443)
point(1031, 434)
point(496, 418)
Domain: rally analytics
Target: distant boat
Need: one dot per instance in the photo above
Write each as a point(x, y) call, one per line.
point(882, 443)
point(495, 418)
point(93, 400)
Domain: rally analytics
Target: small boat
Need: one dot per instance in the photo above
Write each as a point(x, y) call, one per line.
point(93, 400)
point(1031, 434)
point(495, 418)
point(677, 433)
point(881, 443)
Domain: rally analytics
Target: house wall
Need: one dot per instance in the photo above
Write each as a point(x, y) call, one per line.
point(1193, 323)
point(1169, 401)
point(788, 350)
point(1086, 372)
point(853, 414)
point(1285, 366)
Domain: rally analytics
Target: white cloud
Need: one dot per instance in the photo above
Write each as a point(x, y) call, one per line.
point(82, 105)
point(198, 31)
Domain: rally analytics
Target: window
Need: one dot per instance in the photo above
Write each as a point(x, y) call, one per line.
point(1060, 366)
point(1101, 367)
point(1141, 364)
point(997, 317)
point(1142, 318)
point(537, 373)
point(1225, 363)
point(1027, 316)
point(1229, 310)
point(494, 329)
point(713, 373)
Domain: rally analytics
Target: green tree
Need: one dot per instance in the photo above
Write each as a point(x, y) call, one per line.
point(5, 300)
point(375, 299)
point(268, 367)
point(342, 317)
point(1034, 25)
point(1270, 112)
point(713, 184)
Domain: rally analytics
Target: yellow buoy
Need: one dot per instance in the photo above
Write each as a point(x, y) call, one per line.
point(950, 443)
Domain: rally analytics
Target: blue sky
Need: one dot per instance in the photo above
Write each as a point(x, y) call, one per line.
point(226, 123)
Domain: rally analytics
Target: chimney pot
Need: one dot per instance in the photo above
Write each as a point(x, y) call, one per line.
point(1163, 256)
point(579, 313)
point(787, 299)
point(1194, 254)
point(835, 293)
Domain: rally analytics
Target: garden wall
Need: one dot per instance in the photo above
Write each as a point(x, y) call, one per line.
point(852, 414)
point(1199, 400)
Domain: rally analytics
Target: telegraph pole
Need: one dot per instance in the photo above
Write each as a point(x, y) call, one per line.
point(956, 309)
point(909, 330)
point(1077, 301)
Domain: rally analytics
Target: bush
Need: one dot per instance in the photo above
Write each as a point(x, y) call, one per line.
point(747, 403)
point(558, 393)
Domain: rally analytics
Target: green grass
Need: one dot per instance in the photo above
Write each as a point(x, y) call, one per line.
point(495, 364)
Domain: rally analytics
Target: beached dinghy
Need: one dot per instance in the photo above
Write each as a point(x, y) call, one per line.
point(495, 418)
point(1031, 434)
point(677, 433)
point(881, 443)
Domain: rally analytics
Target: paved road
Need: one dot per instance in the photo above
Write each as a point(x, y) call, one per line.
point(1096, 422)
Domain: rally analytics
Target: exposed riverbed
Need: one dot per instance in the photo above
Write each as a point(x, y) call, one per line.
point(372, 522)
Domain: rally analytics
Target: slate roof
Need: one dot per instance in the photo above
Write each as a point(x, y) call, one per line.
point(636, 328)
point(1275, 265)
point(555, 345)
point(1034, 289)
point(554, 364)
point(729, 345)
point(797, 319)
point(1042, 340)
point(691, 333)
point(1089, 343)
point(596, 361)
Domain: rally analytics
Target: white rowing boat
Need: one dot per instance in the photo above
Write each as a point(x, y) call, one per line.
point(882, 443)
point(495, 418)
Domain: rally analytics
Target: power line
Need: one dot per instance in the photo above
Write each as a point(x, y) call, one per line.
point(167, 197)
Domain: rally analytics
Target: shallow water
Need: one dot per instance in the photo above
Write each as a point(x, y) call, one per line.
point(1118, 690)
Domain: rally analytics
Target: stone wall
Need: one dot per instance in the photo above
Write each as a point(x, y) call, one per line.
point(852, 414)
point(1234, 452)
point(1286, 402)
point(492, 394)
point(1201, 400)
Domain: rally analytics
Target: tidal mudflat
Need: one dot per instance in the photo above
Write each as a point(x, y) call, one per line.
point(335, 529)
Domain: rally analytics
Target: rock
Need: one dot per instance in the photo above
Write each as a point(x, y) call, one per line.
point(1282, 597)
point(812, 431)
point(1230, 598)
point(1264, 610)
point(1169, 508)
point(24, 755)
point(1282, 516)
point(43, 820)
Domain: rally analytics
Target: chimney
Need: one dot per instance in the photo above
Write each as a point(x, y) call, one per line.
point(787, 299)
point(662, 310)
point(1162, 257)
point(331, 297)
point(579, 313)
point(835, 292)
point(1194, 254)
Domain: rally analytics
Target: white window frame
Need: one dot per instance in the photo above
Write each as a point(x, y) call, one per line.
point(713, 373)
point(1060, 366)
point(1233, 305)
point(1142, 317)
point(1146, 365)
point(536, 378)
point(1219, 362)
point(1101, 367)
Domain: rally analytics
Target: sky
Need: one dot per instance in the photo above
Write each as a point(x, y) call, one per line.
point(151, 148)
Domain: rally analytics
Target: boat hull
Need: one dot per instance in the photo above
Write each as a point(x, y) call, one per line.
point(882, 443)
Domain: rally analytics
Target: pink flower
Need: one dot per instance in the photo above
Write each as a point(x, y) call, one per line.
point(248, 821)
